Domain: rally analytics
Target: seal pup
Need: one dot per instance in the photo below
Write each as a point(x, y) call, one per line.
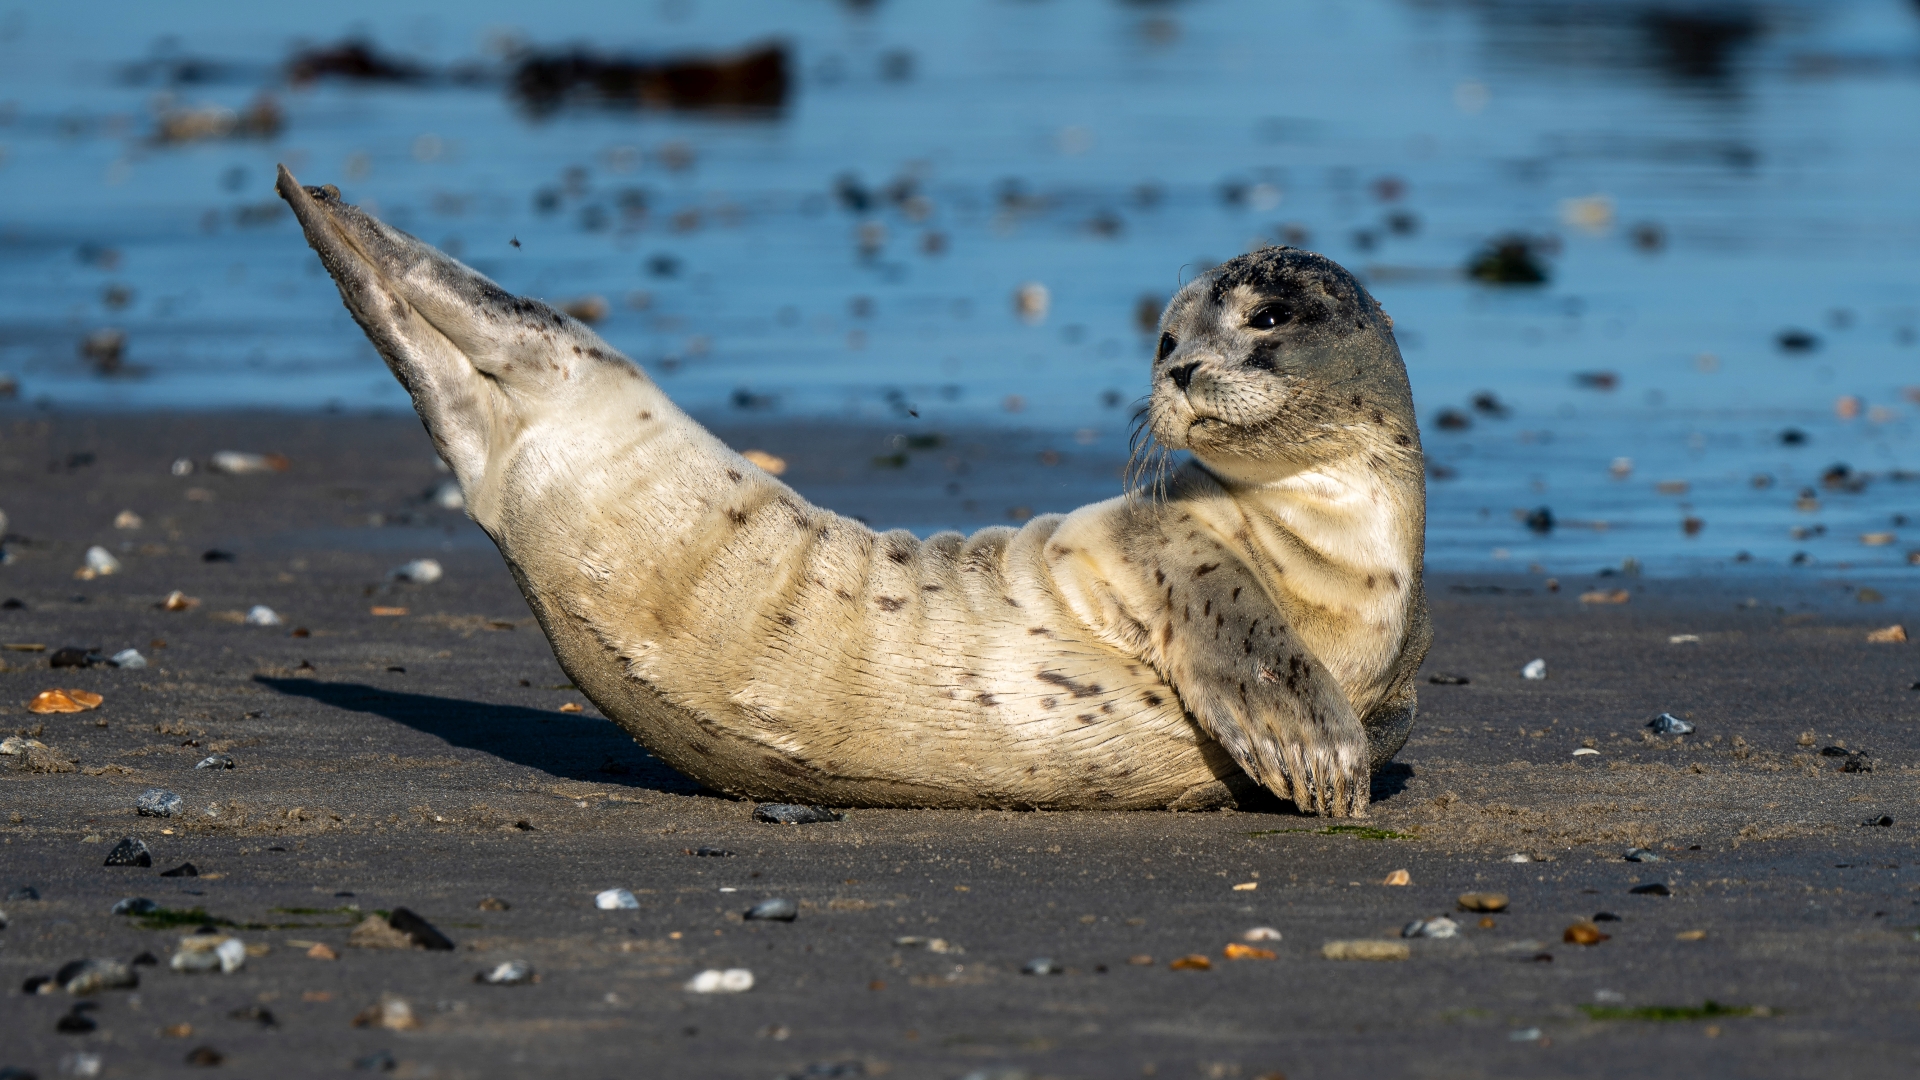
point(1255, 623)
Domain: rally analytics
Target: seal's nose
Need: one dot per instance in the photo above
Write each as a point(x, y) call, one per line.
point(1183, 374)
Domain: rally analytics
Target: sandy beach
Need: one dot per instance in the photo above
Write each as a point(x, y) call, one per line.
point(429, 760)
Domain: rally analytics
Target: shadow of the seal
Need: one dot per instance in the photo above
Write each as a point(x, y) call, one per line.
point(563, 745)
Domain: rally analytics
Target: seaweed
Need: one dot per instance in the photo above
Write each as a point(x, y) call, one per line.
point(1706, 1010)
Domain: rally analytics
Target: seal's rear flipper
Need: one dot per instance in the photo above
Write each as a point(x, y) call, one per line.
point(478, 361)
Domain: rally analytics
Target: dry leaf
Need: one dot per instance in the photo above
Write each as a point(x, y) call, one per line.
point(1237, 951)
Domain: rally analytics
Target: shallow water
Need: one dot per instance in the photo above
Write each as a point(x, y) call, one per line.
point(1103, 149)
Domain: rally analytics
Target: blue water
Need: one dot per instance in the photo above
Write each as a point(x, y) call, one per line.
point(1103, 149)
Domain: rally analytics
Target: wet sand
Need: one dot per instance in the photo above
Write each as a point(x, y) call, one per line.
point(422, 760)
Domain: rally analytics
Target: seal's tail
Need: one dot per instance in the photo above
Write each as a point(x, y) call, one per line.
point(477, 360)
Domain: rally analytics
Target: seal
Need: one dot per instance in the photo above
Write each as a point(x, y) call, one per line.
point(1254, 621)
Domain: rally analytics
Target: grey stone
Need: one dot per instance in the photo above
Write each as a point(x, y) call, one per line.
point(135, 905)
point(777, 910)
point(795, 814)
point(215, 761)
point(130, 851)
point(83, 977)
point(1669, 724)
point(158, 802)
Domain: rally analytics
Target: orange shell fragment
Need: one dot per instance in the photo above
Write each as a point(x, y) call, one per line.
point(1237, 951)
point(571, 707)
point(1196, 962)
point(64, 701)
point(388, 611)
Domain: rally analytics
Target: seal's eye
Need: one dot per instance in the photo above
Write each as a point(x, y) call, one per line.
point(1166, 348)
point(1268, 316)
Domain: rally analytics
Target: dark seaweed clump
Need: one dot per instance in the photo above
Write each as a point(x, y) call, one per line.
point(755, 79)
point(1509, 260)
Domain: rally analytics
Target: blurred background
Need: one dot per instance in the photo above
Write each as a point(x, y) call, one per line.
point(1652, 264)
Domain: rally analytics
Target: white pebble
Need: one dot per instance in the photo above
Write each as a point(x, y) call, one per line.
point(419, 572)
point(239, 463)
point(1261, 933)
point(616, 900)
point(80, 1064)
point(713, 981)
point(181, 467)
point(1519, 856)
point(262, 615)
point(129, 659)
point(101, 561)
point(127, 519)
point(1585, 751)
point(1535, 669)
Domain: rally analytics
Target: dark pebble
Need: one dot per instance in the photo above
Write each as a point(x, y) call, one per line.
point(185, 869)
point(1669, 724)
point(145, 959)
point(1440, 678)
point(777, 910)
point(1540, 520)
point(378, 1061)
point(216, 555)
point(423, 933)
point(74, 1023)
point(256, 1013)
point(794, 814)
point(1796, 340)
point(1882, 822)
point(205, 1055)
point(157, 802)
point(1605, 916)
point(135, 905)
point(1654, 889)
point(70, 657)
point(708, 852)
point(131, 851)
point(24, 892)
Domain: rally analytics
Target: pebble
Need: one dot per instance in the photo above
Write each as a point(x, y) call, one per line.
point(1365, 950)
point(185, 869)
point(715, 981)
point(1398, 877)
point(215, 761)
point(238, 463)
point(1669, 724)
point(1641, 854)
point(509, 973)
point(794, 814)
point(374, 932)
point(76, 1022)
point(1483, 901)
point(392, 1014)
point(1441, 927)
point(1583, 933)
point(1524, 1035)
point(706, 852)
point(418, 572)
point(83, 977)
point(494, 903)
point(1194, 962)
point(80, 1064)
point(208, 952)
point(777, 910)
point(419, 931)
point(1882, 822)
point(23, 892)
point(130, 851)
point(1654, 889)
point(1585, 751)
point(101, 561)
point(1520, 856)
point(616, 900)
point(1042, 965)
point(205, 1055)
point(1261, 933)
point(378, 1061)
point(1535, 670)
point(129, 659)
point(135, 905)
point(322, 951)
point(158, 802)
point(262, 615)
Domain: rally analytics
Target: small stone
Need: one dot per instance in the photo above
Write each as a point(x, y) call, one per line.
point(1042, 965)
point(494, 903)
point(509, 973)
point(418, 572)
point(708, 852)
point(1585, 751)
point(205, 1055)
point(1583, 933)
point(262, 615)
point(616, 900)
point(1520, 856)
point(1483, 901)
point(131, 851)
point(419, 931)
point(135, 905)
point(1531, 1034)
point(1535, 670)
point(129, 659)
point(1140, 960)
point(1237, 951)
point(101, 561)
point(322, 951)
point(776, 910)
point(1605, 916)
point(1654, 889)
point(157, 802)
point(80, 1065)
point(1398, 877)
point(75, 1023)
point(1641, 854)
point(240, 463)
point(374, 932)
point(392, 1014)
point(1261, 933)
point(1881, 822)
point(185, 869)
point(208, 952)
point(1669, 724)
point(83, 977)
point(215, 761)
point(1365, 950)
point(1441, 678)
point(1193, 962)
point(1441, 927)
point(714, 981)
point(23, 892)
point(378, 1061)
point(794, 814)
